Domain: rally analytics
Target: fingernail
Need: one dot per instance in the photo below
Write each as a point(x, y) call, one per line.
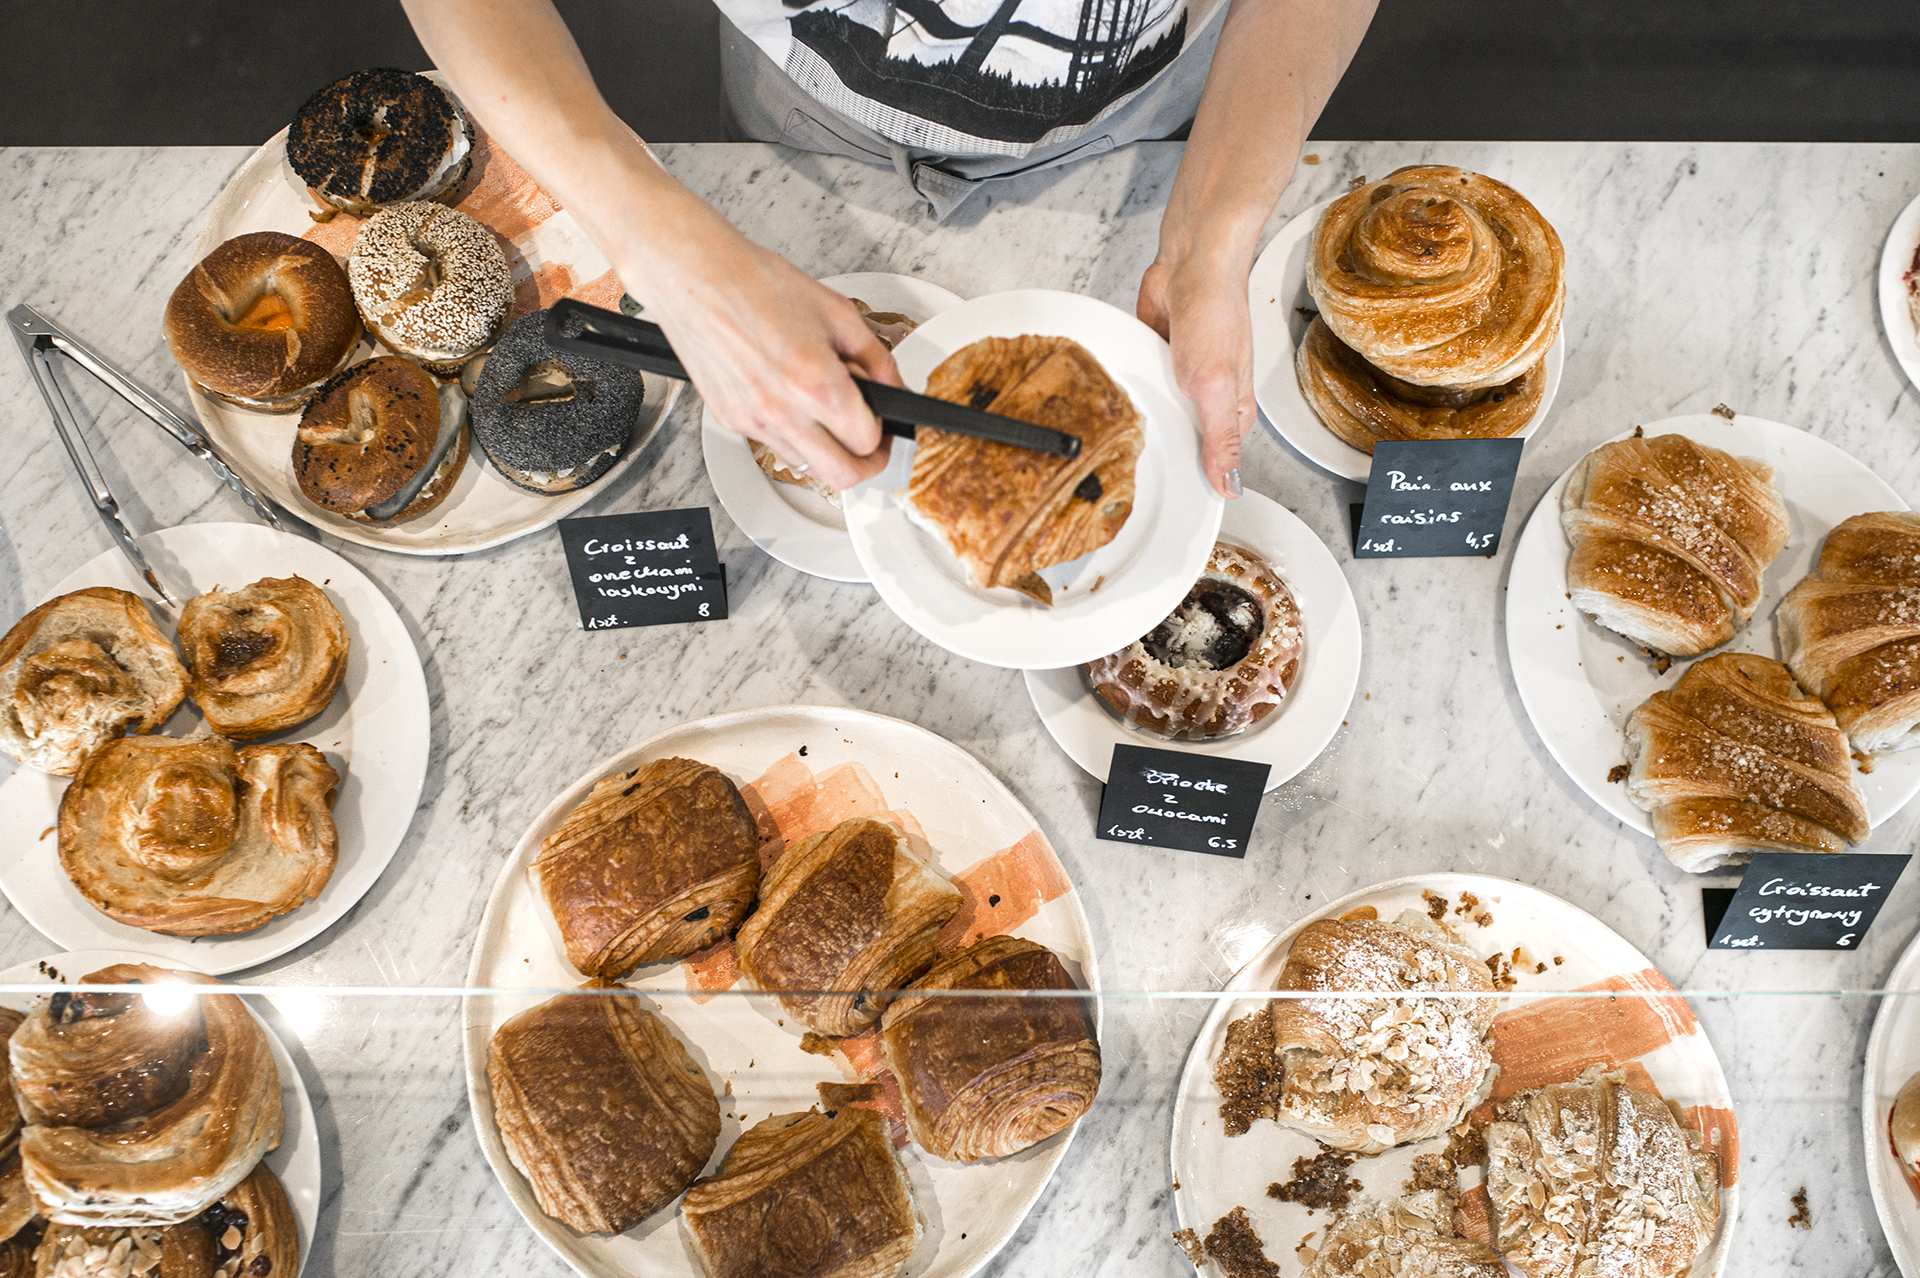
point(1233, 481)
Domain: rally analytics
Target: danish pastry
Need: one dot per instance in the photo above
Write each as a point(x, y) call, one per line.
point(80, 670)
point(250, 1231)
point(265, 657)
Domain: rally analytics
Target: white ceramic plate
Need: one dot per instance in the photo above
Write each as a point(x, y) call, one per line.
point(1277, 292)
point(1213, 1173)
point(297, 1160)
point(855, 763)
point(1893, 1056)
point(1896, 318)
point(1579, 682)
point(1292, 736)
point(1102, 601)
point(796, 525)
point(375, 732)
point(551, 258)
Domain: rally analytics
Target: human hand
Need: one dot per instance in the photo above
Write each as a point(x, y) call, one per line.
point(1199, 304)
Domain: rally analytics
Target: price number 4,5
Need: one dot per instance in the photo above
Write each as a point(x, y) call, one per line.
point(1482, 541)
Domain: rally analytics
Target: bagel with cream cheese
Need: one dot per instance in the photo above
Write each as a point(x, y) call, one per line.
point(381, 442)
point(552, 422)
point(432, 283)
point(380, 137)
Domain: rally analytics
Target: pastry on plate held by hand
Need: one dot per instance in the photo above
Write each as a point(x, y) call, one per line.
point(1593, 1176)
point(816, 1194)
point(137, 1114)
point(250, 1231)
point(1408, 1237)
point(263, 658)
point(1735, 759)
point(80, 670)
point(853, 911)
point(1223, 661)
point(194, 838)
point(1851, 630)
point(1669, 540)
point(381, 442)
point(654, 864)
point(1005, 512)
point(601, 1109)
point(987, 1077)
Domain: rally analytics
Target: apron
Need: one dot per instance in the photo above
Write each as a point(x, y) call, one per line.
point(765, 105)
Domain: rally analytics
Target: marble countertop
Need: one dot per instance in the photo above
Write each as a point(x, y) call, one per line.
point(1698, 275)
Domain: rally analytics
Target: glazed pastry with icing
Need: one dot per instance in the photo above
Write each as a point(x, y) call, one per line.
point(80, 670)
point(381, 442)
point(250, 1231)
point(380, 137)
point(432, 284)
point(265, 657)
point(194, 838)
point(1221, 662)
point(552, 422)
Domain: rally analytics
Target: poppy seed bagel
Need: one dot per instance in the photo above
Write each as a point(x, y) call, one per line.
point(381, 442)
point(553, 446)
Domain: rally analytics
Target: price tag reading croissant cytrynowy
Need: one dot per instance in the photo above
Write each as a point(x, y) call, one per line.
point(651, 568)
point(1432, 497)
point(1807, 900)
point(1194, 802)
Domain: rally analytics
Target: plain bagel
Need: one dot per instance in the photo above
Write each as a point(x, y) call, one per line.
point(382, 441)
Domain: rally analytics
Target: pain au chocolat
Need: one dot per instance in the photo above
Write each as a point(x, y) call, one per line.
point(1005, 512)
point(654, 864)
point(265, 657)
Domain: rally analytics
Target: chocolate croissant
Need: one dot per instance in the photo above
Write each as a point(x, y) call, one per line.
point(844, 916)
point(263, 658)
point(815, 1194)
point(987, 1077)
point(1007, 512)
point(1735, 759)
point(654, 864)
point(250, 1231)
point(194, 838)
point(137, 1116)
point(601, 1109)
point(80, 670)
point(1851, 630)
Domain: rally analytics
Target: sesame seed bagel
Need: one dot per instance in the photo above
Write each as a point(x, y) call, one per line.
point(262, 321)
point(381, 442)
point(380, 137)
point(432, 283)
point(553, 445)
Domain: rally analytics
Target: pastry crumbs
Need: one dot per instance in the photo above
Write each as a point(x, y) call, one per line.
point(1238, 1249)
point(1801, 1218)
point(1320, 1181)
point(1189, 1242)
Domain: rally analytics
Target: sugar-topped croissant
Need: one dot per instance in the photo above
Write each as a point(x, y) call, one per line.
point(265, 657)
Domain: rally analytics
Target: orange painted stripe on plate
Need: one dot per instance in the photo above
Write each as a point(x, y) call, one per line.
point(500, 194)
point(1473, 1215)
point(1552, 1041)
point(1003, 891)
point(861, 1054)
point(711, 970)
point(337, 234)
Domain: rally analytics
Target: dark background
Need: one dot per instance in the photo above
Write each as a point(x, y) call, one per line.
point(107, 72)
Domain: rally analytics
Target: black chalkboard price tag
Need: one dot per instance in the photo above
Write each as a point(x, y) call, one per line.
point(1428, 498)
point(1193, 802)
point(651, 568)
point(1807, 900)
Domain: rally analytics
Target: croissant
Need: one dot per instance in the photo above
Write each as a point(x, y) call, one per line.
point(854, 912)
point(80, 670)
point(17, 1250)
point(137, 1116)
point(1735, 759)
point(601, 1109)
point(263, 658)
point(1007, 512)
point(1412, 1236)
point(654, 864)
point(986, 1077)
point(194, 838)
point(816, 1194)
point(250, 1231)
point(1439, 277)
point(1669, 540)
point(1851, 630)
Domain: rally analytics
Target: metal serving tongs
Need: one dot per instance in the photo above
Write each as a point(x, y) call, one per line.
point(40, 340)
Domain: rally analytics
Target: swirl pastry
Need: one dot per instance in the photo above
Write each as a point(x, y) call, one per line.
point(1735, 759)
point(250, 1232)
point(194, 838)
point(1439, 277)
point(987, 1077)
point(263, 658)
point(137, 1116)
point(1851, 630)
point(1669, 540)
point(1005, 512)
point(654, 864)
point(601, 1109)
point(1223, 661)
point(816, 1194)
point(80, 670)
point(852, 911)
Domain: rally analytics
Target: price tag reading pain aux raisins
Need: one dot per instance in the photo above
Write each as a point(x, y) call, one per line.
point(651, 568)
point(1169, 799)
point(1429, 498)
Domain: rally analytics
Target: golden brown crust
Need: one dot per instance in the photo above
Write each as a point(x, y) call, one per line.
point(193, 838)
point(17, 1251)
point(601, 1108)
point(264, 657)
point(985, 1077)
point(366, 433)
point(814, 1194)
point(654, 864)
point(853, 910)
point(208, 332)
point(250, 1231)
point(1005, 512)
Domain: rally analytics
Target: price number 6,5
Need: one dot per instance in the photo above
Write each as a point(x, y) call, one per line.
point(1217, 842)
point(1482, 541)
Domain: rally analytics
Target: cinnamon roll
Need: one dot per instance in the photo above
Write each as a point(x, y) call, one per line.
point(194, 838)
point(249, 1233)
point(263, 658)
point(80, 670)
